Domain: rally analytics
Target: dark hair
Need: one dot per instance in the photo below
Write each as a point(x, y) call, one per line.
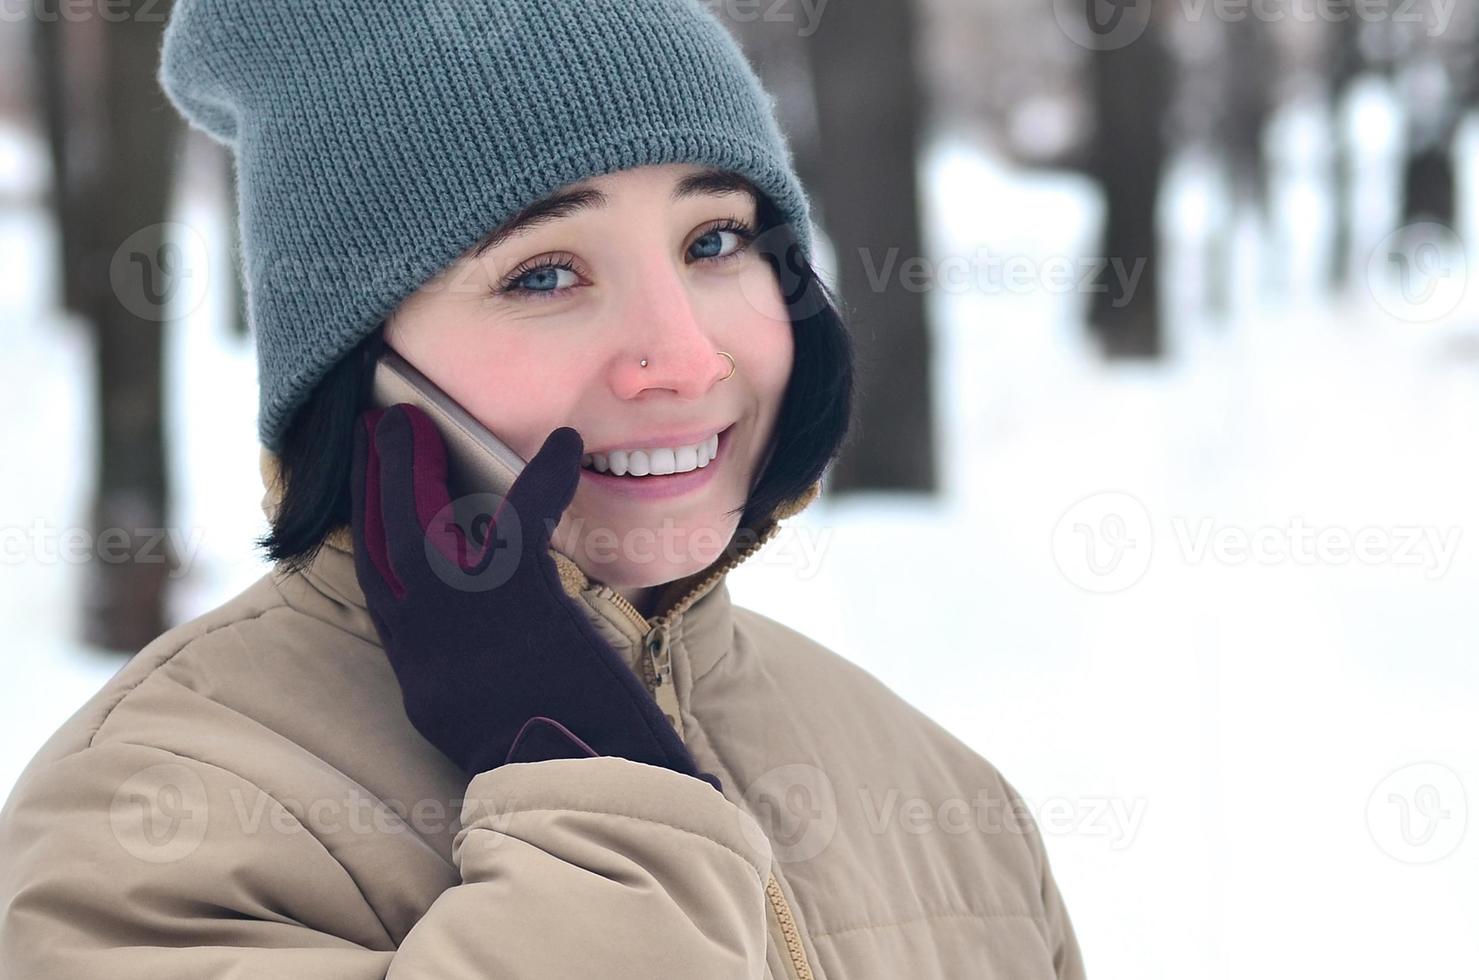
point(810, 431)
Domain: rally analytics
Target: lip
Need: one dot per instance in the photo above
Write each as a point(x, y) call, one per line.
point(662, 487)
point(663, 440)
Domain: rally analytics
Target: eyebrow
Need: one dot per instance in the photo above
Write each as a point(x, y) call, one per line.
point(566, 203)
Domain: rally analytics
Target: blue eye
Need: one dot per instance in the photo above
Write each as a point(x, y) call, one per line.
point(712, 240)
point(543, 278)
point(540, 279)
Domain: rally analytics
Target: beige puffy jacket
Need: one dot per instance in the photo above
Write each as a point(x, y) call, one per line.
point(245, 798)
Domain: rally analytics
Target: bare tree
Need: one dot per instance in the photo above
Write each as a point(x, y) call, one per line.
point(1131, 85)
point(1248, 69)
point(868, 115)
point(1429, 178)
point(1345, 64)
point(109, 129)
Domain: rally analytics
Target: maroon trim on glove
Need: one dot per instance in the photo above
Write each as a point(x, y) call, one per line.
point(373, 517)
point(543, 738)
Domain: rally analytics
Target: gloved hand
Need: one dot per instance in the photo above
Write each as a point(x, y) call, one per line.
point(490, 673)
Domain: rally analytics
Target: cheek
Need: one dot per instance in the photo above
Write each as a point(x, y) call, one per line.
point(766, 347)
point(758, 330)
point(500, 376)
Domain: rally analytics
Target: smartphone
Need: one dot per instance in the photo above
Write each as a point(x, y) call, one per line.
point(477, 460)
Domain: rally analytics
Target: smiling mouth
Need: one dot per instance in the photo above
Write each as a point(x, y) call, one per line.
point(654, 464)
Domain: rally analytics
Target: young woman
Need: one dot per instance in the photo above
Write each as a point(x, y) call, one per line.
point(378, 761)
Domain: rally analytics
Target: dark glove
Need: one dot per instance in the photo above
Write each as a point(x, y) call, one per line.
point(496, 662)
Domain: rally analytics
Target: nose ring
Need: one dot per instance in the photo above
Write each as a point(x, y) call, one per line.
point(732, 365)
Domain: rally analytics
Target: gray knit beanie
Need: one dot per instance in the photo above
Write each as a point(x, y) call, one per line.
point(375, 143)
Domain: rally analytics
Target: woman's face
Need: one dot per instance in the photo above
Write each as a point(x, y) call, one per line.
point(546, 325)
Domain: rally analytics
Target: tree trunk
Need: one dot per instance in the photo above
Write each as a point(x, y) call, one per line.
point(869, 120)
point(1429, 178)
point(112, 199)
point(1128, 156)
point(1345, 67)
point(49, 41)
point(1248, 67)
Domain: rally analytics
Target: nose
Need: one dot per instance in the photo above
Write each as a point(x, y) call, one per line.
point(661, 325)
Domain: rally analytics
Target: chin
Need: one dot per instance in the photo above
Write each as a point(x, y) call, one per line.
point(642, 575)
point(636, 553)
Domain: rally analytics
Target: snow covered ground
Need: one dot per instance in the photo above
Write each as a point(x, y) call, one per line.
point(1213, 618)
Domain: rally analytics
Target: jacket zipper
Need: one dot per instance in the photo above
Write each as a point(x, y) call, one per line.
point(657, 675)
point(789, 930)
point(657, 664)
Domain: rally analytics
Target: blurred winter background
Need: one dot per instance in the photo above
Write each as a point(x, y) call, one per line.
point(1166, 496)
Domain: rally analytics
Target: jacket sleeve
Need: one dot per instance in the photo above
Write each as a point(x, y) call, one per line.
point(1068, 963)
point(127, 861)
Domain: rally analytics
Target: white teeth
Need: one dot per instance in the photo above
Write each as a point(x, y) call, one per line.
point(654, 462)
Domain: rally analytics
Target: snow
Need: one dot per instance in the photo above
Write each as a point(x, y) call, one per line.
point(1218, 744)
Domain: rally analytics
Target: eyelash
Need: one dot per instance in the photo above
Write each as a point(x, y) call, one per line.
point(509, 285)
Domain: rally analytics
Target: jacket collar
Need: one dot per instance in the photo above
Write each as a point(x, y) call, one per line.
point(698, 603)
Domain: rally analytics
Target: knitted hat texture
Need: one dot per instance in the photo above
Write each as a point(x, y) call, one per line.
point(376, 143)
